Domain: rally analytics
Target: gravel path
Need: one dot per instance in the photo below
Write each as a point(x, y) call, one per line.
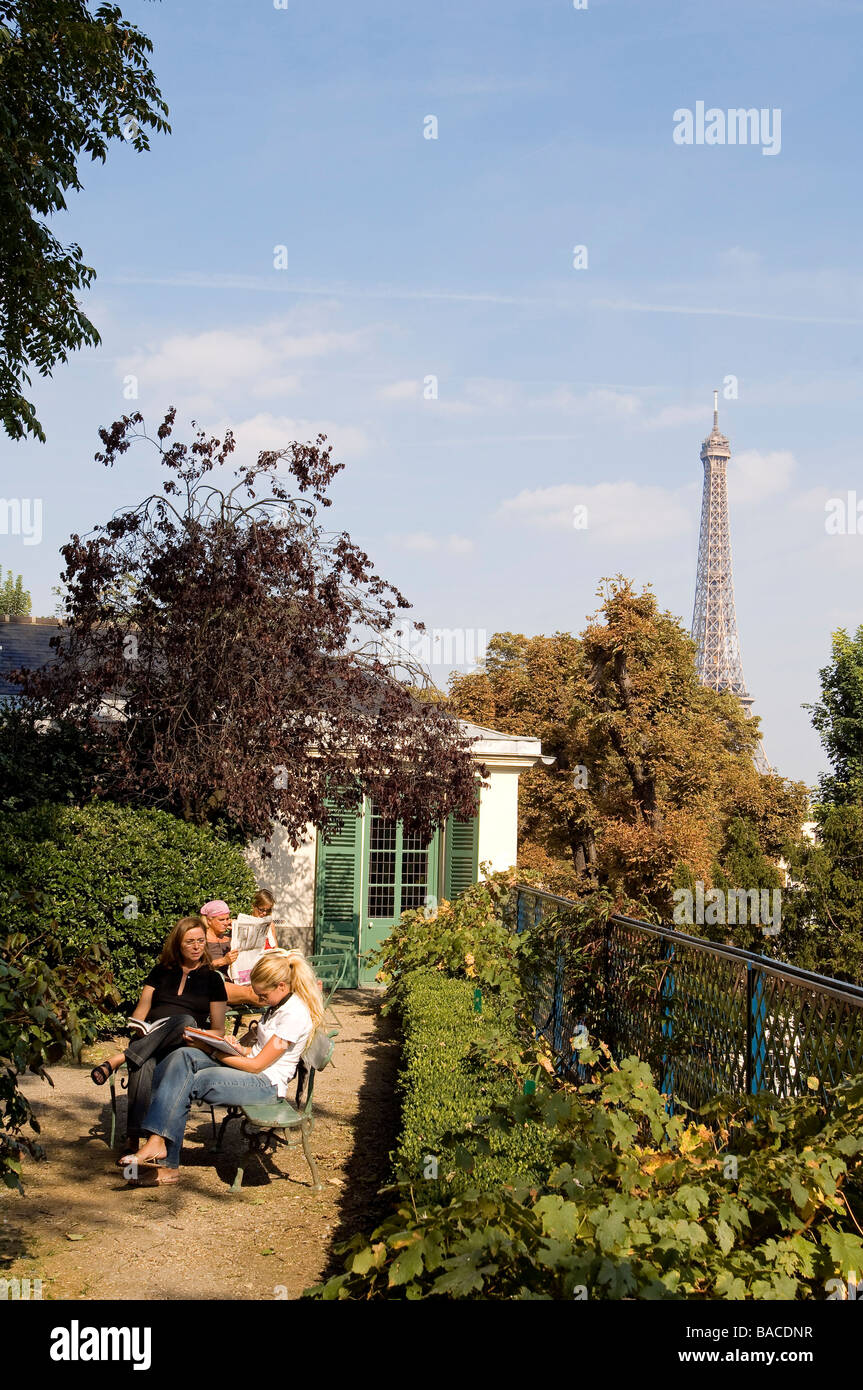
point(87, 1235)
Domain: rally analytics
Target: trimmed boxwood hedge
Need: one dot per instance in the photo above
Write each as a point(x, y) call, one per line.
point(444, 1089)
point(100, 864)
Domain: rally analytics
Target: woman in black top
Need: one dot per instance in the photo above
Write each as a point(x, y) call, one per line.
point(183, 988)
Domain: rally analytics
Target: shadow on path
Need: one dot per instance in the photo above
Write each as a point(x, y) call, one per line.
point(374, 1130)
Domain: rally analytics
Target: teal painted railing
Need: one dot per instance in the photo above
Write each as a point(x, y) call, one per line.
point(710, 1018)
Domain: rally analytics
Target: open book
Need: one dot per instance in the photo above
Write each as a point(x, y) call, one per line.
point(194, 1035)
point(249, 937)
point(138, 1025)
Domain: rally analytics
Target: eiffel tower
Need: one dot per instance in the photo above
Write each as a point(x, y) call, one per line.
point(714, 621)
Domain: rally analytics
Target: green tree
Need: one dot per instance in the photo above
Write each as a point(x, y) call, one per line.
point(227, 621)
point(838, 719)
point(15, 600)
point(823, 918)
point(651, 769)
point(70, 82)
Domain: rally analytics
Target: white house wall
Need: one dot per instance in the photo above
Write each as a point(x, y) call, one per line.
point(498, 819)
point(290, 877)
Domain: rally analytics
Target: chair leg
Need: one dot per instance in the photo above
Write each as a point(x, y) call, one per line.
point(254, 1145)
point(113, 1111)
point(222, 1127)
point(317, 1185)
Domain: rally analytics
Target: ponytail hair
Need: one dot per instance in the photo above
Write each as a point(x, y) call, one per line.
point(280, 966)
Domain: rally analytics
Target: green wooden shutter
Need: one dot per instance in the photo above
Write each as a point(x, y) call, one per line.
point(337, 891)
point(462, 854)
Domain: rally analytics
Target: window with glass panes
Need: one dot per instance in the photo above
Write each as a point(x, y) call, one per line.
point(398, 868)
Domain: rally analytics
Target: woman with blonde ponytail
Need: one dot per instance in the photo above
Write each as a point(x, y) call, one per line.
point(285, 984)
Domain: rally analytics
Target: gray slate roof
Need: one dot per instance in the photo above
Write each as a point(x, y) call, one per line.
point(23, 643)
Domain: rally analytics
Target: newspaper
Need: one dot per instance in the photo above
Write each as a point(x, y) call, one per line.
point(248, 937)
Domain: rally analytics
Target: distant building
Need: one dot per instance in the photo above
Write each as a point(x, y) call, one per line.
point(24, 642)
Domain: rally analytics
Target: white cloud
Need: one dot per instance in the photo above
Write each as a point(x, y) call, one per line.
point(753, 476)
point(672, 415)
point(424, 541)
point(736, 259)
point(459, 545)
point(267, 431)
point(253, 359)
point(400, 391)
point(629, 306)
point(483, 394)
point(615, 511)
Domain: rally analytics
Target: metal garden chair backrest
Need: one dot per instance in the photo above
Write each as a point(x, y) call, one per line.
point(331, 967)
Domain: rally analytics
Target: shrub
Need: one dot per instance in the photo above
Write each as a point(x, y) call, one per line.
point(641, 1204)
point(40, 989)
point(43, 760)
point(468, 937)
point(447, 1088)
point(589, 1192)
point(117, 877)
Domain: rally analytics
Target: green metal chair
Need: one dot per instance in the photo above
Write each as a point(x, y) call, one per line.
point(330, 965)
point(264, 1127)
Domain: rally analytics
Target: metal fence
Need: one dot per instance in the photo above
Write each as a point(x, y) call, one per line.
point(710, 1019)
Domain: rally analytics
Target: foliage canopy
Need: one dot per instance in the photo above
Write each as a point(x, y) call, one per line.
point(71, 81)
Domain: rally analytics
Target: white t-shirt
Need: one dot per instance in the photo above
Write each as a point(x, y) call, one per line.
point(292, 1022)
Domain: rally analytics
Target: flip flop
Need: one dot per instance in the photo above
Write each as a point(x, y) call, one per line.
point(155, 1177)
point(102, 1073)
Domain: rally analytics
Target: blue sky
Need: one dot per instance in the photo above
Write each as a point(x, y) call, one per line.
point(453, 258)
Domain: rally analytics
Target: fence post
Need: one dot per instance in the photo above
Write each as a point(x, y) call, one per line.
point(754, 1027)
point(606, 985)
point(519, 910)
point(557, 1007)
point(667, 1027)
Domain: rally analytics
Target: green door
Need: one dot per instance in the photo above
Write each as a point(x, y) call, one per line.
point(337, 891)
point(399, 873)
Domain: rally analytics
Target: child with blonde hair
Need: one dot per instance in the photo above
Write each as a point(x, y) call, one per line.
point(284, 982)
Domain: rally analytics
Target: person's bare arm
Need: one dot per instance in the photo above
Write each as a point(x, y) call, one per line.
point(144, 1004)
point(269, 1053)
point(218, 1009)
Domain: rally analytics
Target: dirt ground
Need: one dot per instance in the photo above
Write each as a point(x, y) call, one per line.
point(87, 1235)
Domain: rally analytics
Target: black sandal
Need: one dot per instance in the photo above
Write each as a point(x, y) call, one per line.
point(102, 1073)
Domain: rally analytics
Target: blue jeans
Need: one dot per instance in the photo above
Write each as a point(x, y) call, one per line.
point(189, 1074)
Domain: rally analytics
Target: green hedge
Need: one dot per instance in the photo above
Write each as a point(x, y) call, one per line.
point(445, 1089)
point(114, 874)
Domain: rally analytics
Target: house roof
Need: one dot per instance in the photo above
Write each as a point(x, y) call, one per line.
point(492, 746)
point(25, 642)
